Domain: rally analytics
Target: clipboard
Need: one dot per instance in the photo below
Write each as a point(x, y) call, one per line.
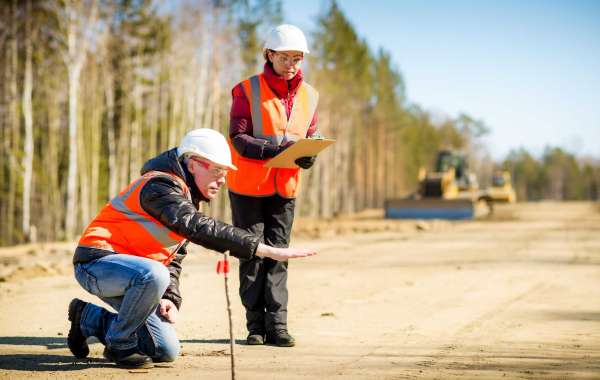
point(301, 148)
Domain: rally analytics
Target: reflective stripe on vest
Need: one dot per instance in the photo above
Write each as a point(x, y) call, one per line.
point(122, 226)
point(270, 122)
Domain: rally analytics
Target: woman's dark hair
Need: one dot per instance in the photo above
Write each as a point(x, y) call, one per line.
point(266, 54)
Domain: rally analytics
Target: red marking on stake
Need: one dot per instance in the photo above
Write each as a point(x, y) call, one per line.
point(222, 266)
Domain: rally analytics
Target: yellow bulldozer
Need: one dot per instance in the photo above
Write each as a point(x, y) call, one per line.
point(501, 190)
point(451, 191)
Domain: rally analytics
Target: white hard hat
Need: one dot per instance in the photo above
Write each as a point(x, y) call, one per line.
point(206, 143)
point(286, 37)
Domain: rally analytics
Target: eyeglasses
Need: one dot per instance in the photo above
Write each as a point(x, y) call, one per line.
point(287, 60)
point(213, 170)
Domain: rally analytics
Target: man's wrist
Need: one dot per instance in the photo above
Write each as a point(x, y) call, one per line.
point(263, 250)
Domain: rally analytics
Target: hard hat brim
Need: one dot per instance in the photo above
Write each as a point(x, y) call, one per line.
point(286, 48)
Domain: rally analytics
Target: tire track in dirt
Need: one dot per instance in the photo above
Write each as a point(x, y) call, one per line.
point(497, 313)
point(439, 359)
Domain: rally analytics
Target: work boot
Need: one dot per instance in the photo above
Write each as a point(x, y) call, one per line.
point(131, 358)
point(76, 339)
point(255, 338)
point(280, 338)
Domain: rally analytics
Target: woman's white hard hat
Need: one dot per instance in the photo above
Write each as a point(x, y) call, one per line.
point(286, 37)
point(207, 143)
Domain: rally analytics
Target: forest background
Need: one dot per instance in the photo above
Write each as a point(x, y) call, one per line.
point(90, 90)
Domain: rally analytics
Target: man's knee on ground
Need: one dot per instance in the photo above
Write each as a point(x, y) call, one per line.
point(168, 352)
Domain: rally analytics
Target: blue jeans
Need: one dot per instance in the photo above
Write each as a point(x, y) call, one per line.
point(133, 286)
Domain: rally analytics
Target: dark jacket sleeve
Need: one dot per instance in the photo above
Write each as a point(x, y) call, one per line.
point(172, 293)
point(240, 129)
point(163, 198)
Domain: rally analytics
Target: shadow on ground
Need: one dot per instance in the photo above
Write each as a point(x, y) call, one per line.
point(50, 343)
point(54, 363)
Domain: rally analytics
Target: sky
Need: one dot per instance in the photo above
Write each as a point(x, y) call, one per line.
point(529, 69)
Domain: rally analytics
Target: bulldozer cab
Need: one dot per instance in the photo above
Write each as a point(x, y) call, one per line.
point(447, 160)
point(499, 179)
point(501, 190)
point(451, 176)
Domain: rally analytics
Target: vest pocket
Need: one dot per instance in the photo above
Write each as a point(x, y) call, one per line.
point(288, 182)
point(251, 175)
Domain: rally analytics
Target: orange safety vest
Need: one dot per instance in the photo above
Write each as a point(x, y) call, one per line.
point(270, 122)
point(122, 226)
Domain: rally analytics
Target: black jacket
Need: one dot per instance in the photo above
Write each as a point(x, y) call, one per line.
point(163, 198)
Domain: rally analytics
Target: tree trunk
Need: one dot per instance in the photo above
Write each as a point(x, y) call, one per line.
point(13, 142)
point(326, 187)
point(125, 121)
point(109, 94)
point(84, 172)
point(4, 138)
point(135, 142)
point(202, 68)
point(71, 210)
point(28, 116)
point(52, 160)
point(96, 143)
point(76, 50)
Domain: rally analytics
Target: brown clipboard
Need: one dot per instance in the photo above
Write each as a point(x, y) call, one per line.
point(301, 148)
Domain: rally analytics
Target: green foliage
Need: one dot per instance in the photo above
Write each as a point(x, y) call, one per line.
point(342, 60)
point(527, 176)
point(421, 141)
point(557, 175)
point(254, 18)
point(389, 88)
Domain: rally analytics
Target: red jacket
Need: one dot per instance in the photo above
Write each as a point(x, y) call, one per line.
point(240, 125)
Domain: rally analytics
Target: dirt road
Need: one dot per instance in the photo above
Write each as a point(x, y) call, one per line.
point(517, 297)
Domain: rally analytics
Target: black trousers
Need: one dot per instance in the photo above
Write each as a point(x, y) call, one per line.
point(263, 282)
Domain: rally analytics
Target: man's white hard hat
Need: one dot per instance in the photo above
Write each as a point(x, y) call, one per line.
point(206, 143)
point(286, 37)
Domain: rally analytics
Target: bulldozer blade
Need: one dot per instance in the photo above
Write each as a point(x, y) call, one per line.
point(427, 208)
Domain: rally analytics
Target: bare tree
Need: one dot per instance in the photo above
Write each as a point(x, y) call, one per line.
point(12, 143)
point(28, 117)
point(77, 19)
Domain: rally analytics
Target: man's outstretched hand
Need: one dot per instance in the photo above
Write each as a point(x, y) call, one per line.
point(283, 254)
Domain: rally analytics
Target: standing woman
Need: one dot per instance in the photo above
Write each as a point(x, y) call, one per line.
point(270, 111)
